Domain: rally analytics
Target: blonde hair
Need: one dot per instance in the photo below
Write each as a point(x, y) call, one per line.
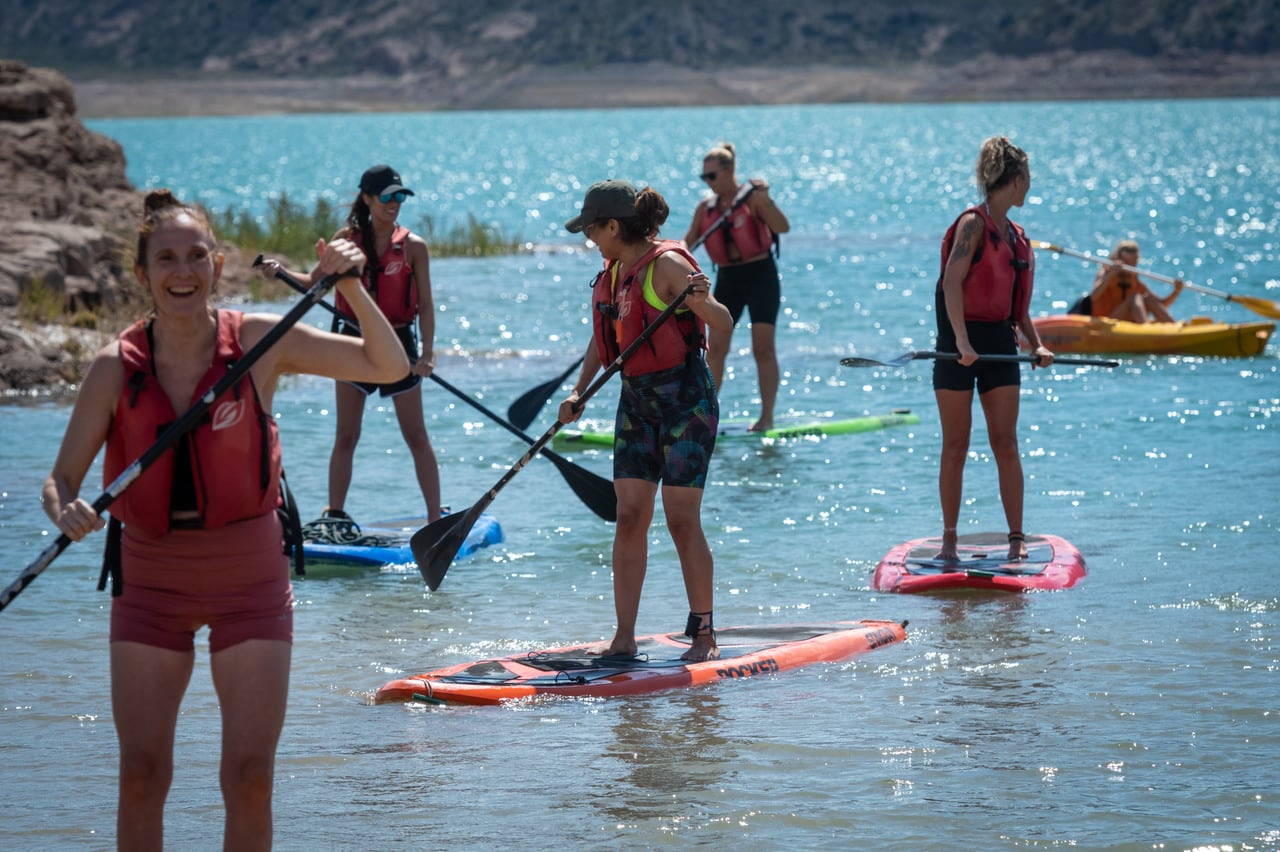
point(723, 153)
point(1123, 246)
point(1000, 162)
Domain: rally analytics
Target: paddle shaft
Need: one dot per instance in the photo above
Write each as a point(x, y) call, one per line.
point(903, 360)
point(525, 409)
point(176, 430)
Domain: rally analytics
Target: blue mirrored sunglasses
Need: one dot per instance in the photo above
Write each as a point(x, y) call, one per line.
point(397, 197)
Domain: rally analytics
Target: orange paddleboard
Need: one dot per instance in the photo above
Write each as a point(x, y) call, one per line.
point(574, 672)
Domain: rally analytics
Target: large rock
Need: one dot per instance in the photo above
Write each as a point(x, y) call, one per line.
point(66, 213)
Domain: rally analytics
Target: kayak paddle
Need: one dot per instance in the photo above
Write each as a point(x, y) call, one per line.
point(1262, 307)
point(907, 358)
point(525, 410)
point(435, 545)
point(176, 430)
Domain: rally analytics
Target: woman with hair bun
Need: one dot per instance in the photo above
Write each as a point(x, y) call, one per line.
point(983, 294)
point(667, 416)
point(201, 543)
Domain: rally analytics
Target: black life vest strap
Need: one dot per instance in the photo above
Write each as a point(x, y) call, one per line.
point(111, 559)
point(291, 522)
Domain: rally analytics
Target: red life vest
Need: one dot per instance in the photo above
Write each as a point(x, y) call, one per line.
point(750, 235)
point(622, 312)
point(998, 286)
point(234, 452)
point(395, 289)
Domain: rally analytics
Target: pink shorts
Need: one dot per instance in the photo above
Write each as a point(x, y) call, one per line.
point(234, 579)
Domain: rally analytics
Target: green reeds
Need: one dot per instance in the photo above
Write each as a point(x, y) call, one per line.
point(290, 231)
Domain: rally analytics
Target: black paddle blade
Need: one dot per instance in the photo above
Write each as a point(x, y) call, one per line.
point(900, 361)
point(525, 409)
point(435, 545)
point(596, 491)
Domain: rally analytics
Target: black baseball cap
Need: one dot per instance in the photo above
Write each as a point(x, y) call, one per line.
point(380, 180)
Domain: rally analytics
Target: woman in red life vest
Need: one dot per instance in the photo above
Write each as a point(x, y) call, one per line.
point(746, 274)
point(1119, 294)
point(398, 276)
point(202, 542)
point(667, 415)
point(983, 292)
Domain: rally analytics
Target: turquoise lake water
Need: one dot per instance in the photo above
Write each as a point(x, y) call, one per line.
point(1139, 710)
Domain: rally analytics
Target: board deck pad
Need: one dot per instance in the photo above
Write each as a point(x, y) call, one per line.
point(576, 672)
point(983, 563)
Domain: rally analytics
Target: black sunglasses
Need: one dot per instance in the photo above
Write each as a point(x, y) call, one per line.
point(709, 176)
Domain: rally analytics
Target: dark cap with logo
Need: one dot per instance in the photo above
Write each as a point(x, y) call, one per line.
point(380, 180)
point(608, 199)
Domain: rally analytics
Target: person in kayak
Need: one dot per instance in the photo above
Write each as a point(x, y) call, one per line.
point(746, 273)
point(1119, 294)
point(202, 543)
point(983, 293)
point(667, 415)
point(398, 275)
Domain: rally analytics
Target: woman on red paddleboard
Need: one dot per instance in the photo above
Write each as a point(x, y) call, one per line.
point(983, 293)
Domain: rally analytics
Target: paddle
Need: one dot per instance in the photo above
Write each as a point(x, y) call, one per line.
point(903, 360)
point(175, 431)
point(1262, 307)
point(525, 409)
point(596, 491)
point(435, 545)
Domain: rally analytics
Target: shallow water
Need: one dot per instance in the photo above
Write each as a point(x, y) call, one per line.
point(1138, 710)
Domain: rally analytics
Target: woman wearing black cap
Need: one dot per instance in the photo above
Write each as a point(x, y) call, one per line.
point(398, 277)
point(667, 415)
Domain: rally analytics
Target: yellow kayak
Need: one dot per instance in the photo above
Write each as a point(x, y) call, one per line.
point(1196, 336)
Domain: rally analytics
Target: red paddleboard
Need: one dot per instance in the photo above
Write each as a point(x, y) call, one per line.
point(983, 563)
point(573, 672)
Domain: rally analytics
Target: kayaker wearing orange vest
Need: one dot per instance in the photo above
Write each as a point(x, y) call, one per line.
point(1119, 294)
point(746, 273)
point(667, 415)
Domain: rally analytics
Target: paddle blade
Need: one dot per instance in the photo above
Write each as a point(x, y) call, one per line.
point(900, 361)
point(1261, 307)
point(435, 545)
point(525, 409)
point(595, 491)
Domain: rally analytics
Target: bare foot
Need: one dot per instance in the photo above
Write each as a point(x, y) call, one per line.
point(948, 552)
point(762, 425)
point(617, 648)
point(1017, 548)
point(703, 648)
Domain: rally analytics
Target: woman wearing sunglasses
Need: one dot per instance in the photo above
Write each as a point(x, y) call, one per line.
point(397, 276)
point(741, 247)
